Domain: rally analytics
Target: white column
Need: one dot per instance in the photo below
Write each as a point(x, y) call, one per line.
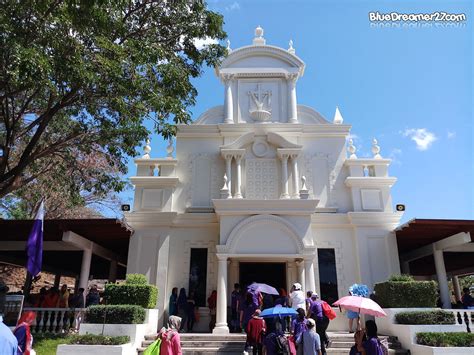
point(290, 266)
point(442, 278)
point(113, 271)
point(238, 181)
point(301, 274)
point(233, 277)
point(228, 168)
point(284, 176)
point(309, 273)
point(292, 105)
point(296, 179)
point(85, 268)
point(221, 311)
point(456, 288)
point(228, 104)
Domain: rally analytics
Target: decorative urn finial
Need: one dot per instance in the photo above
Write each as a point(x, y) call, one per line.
point(376, 149)
point(351, 149)
point(304, 192)
point(225, 193)
point(290, 48)
point(147, 149)
point(258, 39)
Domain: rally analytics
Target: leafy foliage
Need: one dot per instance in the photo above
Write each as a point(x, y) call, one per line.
point(68, 190)
point(401, 278)
point(134, 291)
point(136, 279)
point(451, 339)
point(82, 77)
point(398, 294)
point(425, 317)
point(93, 339)
point(115, 314)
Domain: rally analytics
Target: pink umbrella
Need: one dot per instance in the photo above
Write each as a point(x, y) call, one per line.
point(360, 304)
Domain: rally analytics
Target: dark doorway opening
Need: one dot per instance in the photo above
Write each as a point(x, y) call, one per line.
point(273, 274)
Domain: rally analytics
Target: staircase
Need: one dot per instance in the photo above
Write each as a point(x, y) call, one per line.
point(233, 344)
point(204, 343)
point(341, 343)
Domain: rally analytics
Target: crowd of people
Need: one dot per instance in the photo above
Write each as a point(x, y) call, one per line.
point(20, 340)
point(303, 334)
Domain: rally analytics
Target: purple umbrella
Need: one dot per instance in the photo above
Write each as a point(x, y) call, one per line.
point(263, 288)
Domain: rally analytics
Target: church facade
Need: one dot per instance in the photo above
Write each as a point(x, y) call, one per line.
point(262, 189)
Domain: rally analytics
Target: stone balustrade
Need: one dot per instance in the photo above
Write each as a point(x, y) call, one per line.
point(55, 320)
point(156, 167)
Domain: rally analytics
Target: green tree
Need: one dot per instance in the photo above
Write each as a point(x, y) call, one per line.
point(69, 191)
point(83, 76)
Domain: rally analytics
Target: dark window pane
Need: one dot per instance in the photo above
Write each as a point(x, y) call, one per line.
point(198, 275)
point(327, 275)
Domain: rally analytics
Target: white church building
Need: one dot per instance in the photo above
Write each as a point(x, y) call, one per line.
point(262, 189)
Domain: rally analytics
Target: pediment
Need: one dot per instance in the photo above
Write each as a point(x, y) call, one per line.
point(254, 58)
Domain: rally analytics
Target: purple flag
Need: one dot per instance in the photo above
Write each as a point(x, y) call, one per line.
point(34, 246)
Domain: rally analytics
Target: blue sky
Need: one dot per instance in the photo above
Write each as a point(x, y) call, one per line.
point(408, 85)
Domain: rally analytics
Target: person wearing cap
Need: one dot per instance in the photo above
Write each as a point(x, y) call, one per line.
point(320, 319)
point(309, 302)
point(297, 298)
point(255, 331)
point(310, 340)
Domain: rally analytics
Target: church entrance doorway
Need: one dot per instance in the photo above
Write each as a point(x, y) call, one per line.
point(273, 274)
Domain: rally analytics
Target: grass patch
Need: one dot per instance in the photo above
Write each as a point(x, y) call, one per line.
point(47, 344)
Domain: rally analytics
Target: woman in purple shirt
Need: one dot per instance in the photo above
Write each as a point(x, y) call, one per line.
point(372, 345)
point(298, 326)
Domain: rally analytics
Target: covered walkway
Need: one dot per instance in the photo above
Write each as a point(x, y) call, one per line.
point(437, 248)
point(80, 248)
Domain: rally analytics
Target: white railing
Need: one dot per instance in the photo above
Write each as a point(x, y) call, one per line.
point(465, 317)
point(56, 320)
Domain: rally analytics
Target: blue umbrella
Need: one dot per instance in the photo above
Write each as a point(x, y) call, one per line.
point(278, 311)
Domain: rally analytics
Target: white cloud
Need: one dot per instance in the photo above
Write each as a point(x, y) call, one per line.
point(451, 135)
point(200, 43)
point(232, 7)
point(421, 136)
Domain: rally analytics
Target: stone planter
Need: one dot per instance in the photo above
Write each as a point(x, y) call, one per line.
point(429, 350)
point(136, 332)
point(406, 333)
point(125, 349)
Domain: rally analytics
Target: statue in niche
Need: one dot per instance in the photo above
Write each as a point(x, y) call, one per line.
point(260, 104)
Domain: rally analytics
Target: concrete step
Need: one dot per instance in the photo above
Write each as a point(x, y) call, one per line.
point(230, 344)
point(341, 344)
